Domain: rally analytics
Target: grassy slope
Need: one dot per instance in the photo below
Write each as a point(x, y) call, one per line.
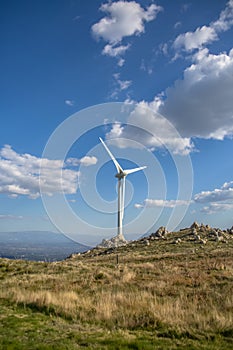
point(159, 296)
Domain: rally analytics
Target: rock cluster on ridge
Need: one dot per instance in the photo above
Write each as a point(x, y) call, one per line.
point(160, 233)
point(198, 235)
point(117, 241)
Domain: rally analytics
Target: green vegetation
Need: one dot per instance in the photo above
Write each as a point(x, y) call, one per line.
point(161, 295)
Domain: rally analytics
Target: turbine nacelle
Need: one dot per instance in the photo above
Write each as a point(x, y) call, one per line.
point(121, 175)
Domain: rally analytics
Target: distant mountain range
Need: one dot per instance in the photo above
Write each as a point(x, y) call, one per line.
point(38, 246)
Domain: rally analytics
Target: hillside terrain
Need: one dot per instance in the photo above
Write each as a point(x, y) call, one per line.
point(171, 290)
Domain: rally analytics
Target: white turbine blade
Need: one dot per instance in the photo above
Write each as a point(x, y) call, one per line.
point(117, 165)
point(130, 171)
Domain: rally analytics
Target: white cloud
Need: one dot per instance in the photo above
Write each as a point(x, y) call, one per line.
point(194, 40)
point(10, 217)
point(152, 203)
point(120, 84)
point(162, 134)
point(24, 174)
point(201, 104)
point(216, 207)
point(116, 51)
point(112, 51)
point(225, 20)
point(225, 193)
point(123, 19)
point(116, 131)
point(124, 84)
point(121, 62)
point(69, 103)
point(164, 49)
point(86, 161)
point(198, 105)
point(206, 34)
point(177, 25)
point(218, 200)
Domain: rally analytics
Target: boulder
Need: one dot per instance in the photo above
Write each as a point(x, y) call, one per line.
point(195, 225)
point(160, 233)
point(117, 241)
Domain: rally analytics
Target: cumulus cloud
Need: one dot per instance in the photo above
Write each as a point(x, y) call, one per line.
point(86, 161)
point(148, 127)
point(217, 200)
point(201, 104)
point(225, 20)
point(224, 193)
point(118, 51)
point(152, 203)
point(206, 34)
point(194, 40)
point(24, 174)
point(198, 105)
point(112, 51)
point(123, 19)
point(116, 131)
point(216, 207)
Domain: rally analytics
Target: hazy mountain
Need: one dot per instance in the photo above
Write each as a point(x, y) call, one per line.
point(38, 245)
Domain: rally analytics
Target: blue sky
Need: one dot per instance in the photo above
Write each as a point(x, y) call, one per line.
point(68, 70)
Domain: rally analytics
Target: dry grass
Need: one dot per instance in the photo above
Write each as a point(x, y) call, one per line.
point(150, 288)
point(159, 287)
point(202, 310)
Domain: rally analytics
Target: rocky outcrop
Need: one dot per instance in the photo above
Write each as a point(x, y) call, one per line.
point(197, 235)
point(117, 241)
point(195, 225)
point(161, 233)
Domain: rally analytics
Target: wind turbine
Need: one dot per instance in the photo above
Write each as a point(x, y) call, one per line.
point(120, 175)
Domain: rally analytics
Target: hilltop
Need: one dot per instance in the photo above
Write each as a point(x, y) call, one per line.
point(197, 234)
point(170, 290)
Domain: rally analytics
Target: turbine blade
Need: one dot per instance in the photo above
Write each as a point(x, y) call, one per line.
point(117, 165)
point(130, 171)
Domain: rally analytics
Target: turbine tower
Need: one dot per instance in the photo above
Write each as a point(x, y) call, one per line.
point(120, 175)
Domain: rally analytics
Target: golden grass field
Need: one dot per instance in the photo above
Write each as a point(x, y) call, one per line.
point(160, 295)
